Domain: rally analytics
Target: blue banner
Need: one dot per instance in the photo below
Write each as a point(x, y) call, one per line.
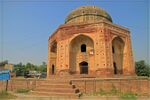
point(4, 74)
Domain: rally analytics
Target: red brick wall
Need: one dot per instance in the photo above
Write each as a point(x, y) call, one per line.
point(2, 85)
point(139, 86)
point(14, 84)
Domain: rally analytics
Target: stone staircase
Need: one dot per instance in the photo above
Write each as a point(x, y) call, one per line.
point(56, 87)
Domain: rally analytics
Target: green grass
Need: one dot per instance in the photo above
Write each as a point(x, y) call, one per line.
point(22, 90)
point(128, 96)
point(101, 92)
point(112, 92)
point(80, 95)
point(115, 92)
point(6, 95)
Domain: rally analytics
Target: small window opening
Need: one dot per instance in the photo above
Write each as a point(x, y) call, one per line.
point(83, 48)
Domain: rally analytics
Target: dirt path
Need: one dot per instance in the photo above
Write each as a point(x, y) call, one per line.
point(36, 97)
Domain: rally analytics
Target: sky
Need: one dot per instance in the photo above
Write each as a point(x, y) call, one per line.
point(25, 25)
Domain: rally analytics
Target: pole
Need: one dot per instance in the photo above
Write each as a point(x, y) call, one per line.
point(6, 85)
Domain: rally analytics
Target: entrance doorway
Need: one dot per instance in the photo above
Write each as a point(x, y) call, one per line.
point(83, 67)
point(53, 69)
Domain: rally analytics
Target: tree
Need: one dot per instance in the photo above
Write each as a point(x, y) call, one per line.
point(43, 67)
point(142, 69)
point(19, 69)
point(29, 67)
point(3, 63)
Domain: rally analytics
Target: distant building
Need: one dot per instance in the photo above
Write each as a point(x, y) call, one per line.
point(6, 65)
point(90, 43)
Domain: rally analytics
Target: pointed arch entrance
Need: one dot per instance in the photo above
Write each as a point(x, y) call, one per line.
point(52, 54)
point(79, 49)
point(83, 67)
point(117, 53)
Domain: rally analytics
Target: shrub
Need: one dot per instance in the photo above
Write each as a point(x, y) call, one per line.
point(142, 69)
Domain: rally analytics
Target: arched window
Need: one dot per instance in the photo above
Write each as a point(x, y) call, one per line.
point(83, 48)
point(54, 46)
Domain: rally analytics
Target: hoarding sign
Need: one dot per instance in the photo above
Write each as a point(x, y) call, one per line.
point(4, 74)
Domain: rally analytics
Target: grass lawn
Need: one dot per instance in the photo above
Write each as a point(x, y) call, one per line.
point(6, 95)
point(115, 92)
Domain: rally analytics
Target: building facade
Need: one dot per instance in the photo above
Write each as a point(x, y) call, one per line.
point(90, 43)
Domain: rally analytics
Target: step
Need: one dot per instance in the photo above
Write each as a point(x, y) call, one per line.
point(55, 86)
point(52, 82)
point(45, 83)
point(57, 90)
point(54, 94)
point(55, 79)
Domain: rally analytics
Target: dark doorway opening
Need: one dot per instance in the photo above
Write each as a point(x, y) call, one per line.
point(115, 68)
point(83, 68)
point(113, 49)
point(53, 69)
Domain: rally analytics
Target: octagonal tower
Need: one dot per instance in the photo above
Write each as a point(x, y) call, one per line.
point(90, 44)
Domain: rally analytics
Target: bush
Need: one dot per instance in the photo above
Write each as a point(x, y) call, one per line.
point(142, 69)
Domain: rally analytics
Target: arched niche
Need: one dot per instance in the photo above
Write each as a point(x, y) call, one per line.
point(118, 53)
point(80, 45)
point(53, 57)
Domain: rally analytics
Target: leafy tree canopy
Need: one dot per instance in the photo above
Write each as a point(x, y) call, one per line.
point(21, 68)
point(142, 69)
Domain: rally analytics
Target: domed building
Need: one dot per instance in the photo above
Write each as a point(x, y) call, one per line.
point(90, 44)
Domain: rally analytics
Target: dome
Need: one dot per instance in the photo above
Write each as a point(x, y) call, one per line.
point(85, 14)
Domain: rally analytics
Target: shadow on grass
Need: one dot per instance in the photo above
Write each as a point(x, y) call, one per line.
point(22, 90)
